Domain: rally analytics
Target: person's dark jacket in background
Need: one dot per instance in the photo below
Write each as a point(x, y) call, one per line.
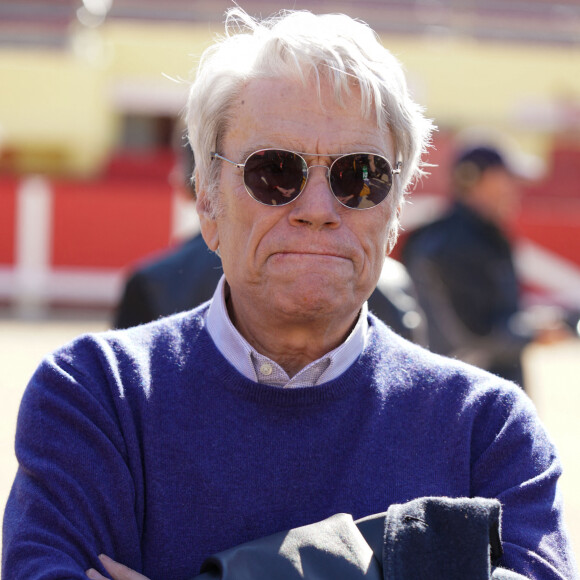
point(178, 280)
point(464, 275)
point(187, 275)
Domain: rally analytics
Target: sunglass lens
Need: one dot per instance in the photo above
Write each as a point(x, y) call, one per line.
point(361, 180)
point(275, 177)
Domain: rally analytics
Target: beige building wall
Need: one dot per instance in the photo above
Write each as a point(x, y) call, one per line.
point(59, 110)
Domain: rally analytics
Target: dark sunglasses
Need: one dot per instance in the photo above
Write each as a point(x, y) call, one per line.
point(278, 177)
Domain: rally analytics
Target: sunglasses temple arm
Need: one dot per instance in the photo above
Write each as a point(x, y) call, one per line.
point(215, 155)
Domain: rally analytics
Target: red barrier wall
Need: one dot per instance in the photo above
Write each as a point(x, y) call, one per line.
point(109, 223)
point(554, 224)
point(7, 220)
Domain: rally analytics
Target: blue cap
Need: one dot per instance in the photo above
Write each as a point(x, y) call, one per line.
point(482, 158)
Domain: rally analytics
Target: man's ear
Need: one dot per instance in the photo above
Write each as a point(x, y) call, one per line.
point(208, 223)
point(392, 238)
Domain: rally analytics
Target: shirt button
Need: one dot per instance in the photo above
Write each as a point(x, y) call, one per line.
point(266, 369)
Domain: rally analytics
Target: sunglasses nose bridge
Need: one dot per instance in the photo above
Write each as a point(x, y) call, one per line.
point(325, 167)
point(319, 165)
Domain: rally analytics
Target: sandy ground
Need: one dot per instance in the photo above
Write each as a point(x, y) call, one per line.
point(553, 375)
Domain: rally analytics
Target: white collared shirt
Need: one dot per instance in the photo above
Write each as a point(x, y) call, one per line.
point(260, 368)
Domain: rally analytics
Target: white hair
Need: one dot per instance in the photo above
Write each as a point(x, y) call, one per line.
point(300, 45)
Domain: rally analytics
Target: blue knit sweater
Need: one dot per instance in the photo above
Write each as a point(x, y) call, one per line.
point(147, 445)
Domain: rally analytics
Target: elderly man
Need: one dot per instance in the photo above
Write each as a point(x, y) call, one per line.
point(283, 401)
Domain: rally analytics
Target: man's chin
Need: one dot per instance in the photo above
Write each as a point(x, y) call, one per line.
point(306, 302)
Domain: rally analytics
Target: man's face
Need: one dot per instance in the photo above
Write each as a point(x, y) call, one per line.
point(313, 257)
point(497, 195)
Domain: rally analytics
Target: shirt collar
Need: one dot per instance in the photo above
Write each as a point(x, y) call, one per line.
point(259, 368)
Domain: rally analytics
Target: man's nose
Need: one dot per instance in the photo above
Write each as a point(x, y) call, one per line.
point(316, 206)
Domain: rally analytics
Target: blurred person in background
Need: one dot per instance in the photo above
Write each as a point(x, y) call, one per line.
point(282, 401)
point(463, 269)
point(182, 277)
point(186, 276)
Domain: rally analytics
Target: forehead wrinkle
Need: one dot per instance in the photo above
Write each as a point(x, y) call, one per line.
point(287, 134)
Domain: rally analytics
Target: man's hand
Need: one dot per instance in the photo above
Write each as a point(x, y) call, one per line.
point(116, 570)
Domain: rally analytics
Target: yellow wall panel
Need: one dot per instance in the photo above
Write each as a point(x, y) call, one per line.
point(70, 100)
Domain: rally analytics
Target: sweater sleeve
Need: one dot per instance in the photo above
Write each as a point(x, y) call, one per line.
point(514, 461)
point(75, 494)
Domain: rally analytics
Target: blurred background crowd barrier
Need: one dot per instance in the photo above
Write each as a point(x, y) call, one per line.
point(90, 92)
